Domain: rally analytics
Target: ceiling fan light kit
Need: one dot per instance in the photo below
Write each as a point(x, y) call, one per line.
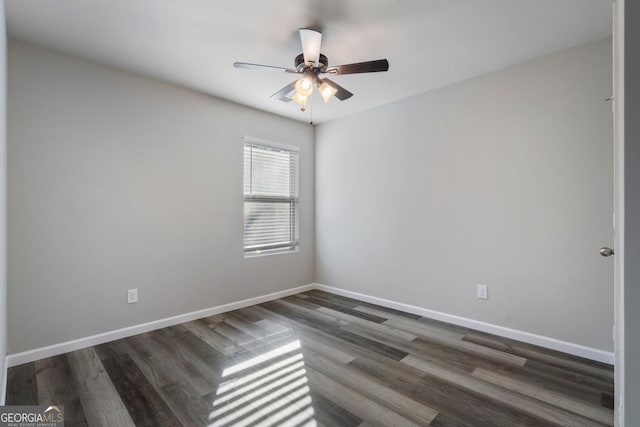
point(314, 66)
point(327, 91)
point(304, 86)
point(300, 99)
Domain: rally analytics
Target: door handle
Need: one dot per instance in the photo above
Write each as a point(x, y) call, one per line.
point(605, 251)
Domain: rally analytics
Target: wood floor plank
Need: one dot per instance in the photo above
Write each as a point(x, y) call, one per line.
point(353, 303)
point(272, 328)
point(330, 342)
point(259, 379)
point(329, 413)
point(317, 321)
point(295, 413)
point(243, 325)
point(458, 404)
point(411, 325)
point(233, 334)
point(334, 347)
point(188, 407)
point(490, 391)
point(158, 373)
point(593, 412)
point(197, 347)
point(593, 383)
point(487, 353)
point(101, 402)
point(375, 391)
point(297, 312)
point(215, 319)
point(530, 352)
point(362, 322)
point(444, 325)
point(168, 383)
point(368, 410)
point(554, 383)
point(169, 363)
point(313, 342)
point(175, 355)
point(421, 328)
point(56, 387)
point(443, 420)
point(22, 388)
point(437, 353)
point(144, 404)
point(347, 302)
point(308, 302)
point(607, 401)
point(248, 314)
point(283, 398)
point(211, 337)
point(317, 302)
point(278, 318)
point(547, 351)
point(420, 323)
point(194, 370)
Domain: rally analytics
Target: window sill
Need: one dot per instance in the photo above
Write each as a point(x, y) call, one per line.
point(258, 254)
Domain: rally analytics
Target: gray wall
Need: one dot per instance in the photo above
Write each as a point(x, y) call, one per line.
point(117, 181)
point(3, 197)
point(503, 180)
point(632, 214)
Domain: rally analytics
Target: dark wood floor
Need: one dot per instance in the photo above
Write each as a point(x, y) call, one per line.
point(318, 359)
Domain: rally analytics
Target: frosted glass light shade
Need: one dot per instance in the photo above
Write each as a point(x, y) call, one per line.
point(300, 99)
point(304, 86)
point(327, 91)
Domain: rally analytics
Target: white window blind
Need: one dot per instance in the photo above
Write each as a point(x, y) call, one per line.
point(270, 198)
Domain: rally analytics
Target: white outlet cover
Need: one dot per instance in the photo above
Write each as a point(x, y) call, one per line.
point(483, 292)
point(132, 296)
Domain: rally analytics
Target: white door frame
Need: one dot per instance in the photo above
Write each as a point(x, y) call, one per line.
point(618, 126)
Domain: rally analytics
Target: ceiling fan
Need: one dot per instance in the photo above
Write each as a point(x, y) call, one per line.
point(313, 67)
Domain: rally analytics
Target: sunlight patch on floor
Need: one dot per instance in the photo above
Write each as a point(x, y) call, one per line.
point(266, 390)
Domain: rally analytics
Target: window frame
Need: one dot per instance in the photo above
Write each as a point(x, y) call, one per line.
point(293, 245)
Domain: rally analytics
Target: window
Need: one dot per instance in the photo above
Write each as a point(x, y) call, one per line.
point(270, 198)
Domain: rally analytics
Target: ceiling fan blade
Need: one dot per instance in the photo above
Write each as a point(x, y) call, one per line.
point(342, 94)
point(249, 66)
point(282, 93)
point(360, 67)
point(310, 40)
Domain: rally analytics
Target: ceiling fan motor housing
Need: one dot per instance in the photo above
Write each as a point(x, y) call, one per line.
point(301, 66)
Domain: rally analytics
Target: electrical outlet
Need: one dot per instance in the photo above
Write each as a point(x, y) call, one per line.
point(132, 296)
point(483, 292)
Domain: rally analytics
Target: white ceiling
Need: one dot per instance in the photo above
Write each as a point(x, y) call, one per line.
point(193, 43)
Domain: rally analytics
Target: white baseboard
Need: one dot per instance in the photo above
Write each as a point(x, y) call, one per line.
point(551, 343)
point(77, 344)
point(3, 392)
point(540, 340)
